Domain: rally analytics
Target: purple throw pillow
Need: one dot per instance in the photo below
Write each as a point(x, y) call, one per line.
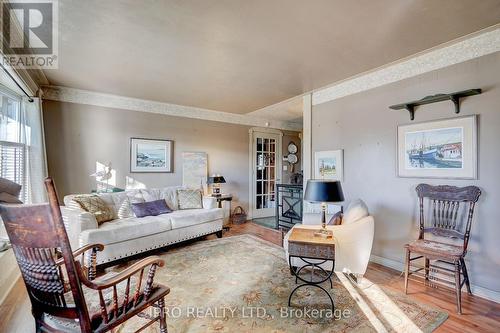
point(150, 208)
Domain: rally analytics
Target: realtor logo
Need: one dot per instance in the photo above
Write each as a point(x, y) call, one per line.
point(29, 33)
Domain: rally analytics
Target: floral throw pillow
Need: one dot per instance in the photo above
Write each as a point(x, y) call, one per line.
point(189, 199)
point(96, 206)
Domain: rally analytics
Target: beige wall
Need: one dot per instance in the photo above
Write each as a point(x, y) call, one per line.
point(78, 136)
point(365, 127)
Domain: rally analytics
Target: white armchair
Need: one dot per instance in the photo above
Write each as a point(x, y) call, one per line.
point(353, 239)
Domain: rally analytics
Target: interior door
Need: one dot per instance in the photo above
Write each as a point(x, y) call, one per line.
point(266, 172)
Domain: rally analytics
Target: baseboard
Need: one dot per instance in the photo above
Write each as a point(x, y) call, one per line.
point(478, 291)
point(394, 264)
point(486, 293)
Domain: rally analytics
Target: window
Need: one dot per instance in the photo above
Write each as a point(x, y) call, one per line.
point(13, 146)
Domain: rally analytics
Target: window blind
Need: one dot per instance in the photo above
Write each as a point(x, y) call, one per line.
point(13, 165)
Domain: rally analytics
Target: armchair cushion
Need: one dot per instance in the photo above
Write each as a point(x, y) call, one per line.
point(356, 210)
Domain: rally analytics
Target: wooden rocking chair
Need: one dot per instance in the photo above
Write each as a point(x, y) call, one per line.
point(64, 294)
point(450, 215)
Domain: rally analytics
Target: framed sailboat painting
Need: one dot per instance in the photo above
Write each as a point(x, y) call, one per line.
point(439, 149)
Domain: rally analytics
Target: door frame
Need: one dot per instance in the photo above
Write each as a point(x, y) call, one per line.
point(252, 166)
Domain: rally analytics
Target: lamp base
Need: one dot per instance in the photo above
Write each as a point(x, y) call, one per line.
point(324, 233)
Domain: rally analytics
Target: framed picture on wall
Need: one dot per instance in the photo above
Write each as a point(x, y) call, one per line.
point(439, 149)
point(329, 165)
point(150, 155)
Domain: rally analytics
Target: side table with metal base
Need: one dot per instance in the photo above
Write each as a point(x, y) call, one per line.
point(220, 199)
point(313, 251)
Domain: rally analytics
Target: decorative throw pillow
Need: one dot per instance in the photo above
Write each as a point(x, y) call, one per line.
point(9, 198)
point(189, 199)
point(96, 206)
point(336, 219)
point(10, 187)
point(357, 210)
point(150, 208)
point(123, 203)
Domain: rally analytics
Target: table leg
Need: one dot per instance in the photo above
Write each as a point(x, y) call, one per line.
point(312, 283)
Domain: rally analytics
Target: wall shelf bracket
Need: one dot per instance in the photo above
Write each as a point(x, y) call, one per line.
point(454, 97)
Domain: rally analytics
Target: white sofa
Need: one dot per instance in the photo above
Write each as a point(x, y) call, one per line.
point(128, 235)
point(353, 239)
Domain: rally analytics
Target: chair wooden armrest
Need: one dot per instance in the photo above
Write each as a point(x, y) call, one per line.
point(131, 299)
point(140, 266)
point(91, 265)
point(85, 248)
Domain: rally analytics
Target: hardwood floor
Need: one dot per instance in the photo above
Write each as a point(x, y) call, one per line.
point(479, 315)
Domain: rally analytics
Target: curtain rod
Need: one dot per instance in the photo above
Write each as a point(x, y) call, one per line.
point(30, 98)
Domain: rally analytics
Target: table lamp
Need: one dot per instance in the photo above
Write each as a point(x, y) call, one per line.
point(324, 192)
point(216, 182)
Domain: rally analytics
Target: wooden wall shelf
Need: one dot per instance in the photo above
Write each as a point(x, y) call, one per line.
point(454, 97)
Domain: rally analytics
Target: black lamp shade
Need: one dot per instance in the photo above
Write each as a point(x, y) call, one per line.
point(216, 180)
point(324, 191)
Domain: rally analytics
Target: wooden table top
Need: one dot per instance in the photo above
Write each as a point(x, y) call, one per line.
point(306, 236)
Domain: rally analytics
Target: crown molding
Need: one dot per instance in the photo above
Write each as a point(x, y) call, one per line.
point(460, 50)
point(79, 96)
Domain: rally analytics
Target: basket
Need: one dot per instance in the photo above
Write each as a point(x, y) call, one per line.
point(238, 216)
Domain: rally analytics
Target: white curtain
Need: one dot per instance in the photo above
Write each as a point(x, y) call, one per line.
point(22, 148)
point(36, 162)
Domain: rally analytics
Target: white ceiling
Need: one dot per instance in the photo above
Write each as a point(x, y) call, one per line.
point(240, 56)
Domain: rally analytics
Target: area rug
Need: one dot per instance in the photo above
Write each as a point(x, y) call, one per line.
point(242, 284)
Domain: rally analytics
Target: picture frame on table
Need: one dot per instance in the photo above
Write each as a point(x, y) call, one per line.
point(445, 148)
point(151, 155)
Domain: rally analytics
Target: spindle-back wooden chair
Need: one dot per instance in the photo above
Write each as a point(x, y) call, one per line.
point(64, 294)
point(446, 213)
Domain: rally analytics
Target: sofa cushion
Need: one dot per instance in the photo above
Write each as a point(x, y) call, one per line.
point(96, 206)
point(169, 194)
point(189, 198)
point(187, 217)
point(126, 229)
point(151, 208)
point(356, 210)
point(118, 201)
point(122, 202)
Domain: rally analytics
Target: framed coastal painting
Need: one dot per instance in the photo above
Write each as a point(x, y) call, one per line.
point(329, 165)
point(150, 155)
point(439, 149)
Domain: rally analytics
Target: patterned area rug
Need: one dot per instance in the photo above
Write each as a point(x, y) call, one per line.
point(242, 284)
